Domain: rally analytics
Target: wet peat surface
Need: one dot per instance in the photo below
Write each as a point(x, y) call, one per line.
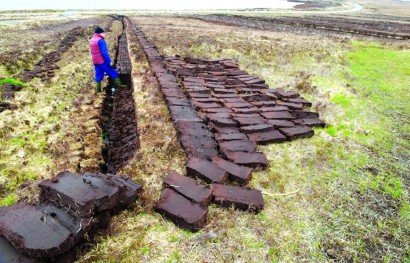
point(331, 24)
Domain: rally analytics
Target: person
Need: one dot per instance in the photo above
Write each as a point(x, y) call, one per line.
point(101, 59)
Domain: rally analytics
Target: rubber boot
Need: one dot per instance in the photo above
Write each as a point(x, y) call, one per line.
point(118, 84)
point(98, 87)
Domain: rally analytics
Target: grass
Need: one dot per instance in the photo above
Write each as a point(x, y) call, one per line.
point(12, 81)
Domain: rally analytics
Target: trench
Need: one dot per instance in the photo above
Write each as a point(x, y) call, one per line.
point(118, 116)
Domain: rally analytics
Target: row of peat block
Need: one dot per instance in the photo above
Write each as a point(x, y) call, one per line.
point(221, 113)
point(44, 69)
point(70, 207)
point(184, 201)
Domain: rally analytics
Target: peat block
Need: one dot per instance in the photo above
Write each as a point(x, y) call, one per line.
point(257, 87)
point(267, 137)
point(281, 115)
point(292, 106)
point(245, 90)
point(214, 86)
point(297, 132)
point(246, 110)
point(224, 96)
point(217, 110)
point(212, 116)
point(202, 147)
point(224, 91)
point(181, 211)
point(200, 105)
point(224, 122)
point(237, 173)
point(219, 129)
point(232, 100)
point(131, 191)
point(276, 108)
point(199, 95)
point(281, 123)
point(254, 159)
point(169, 93)
point(263, 103)
point(240, 198)
point(188, 188)
point(183, 113)
point(250, 121)
point(238, 146)
point(206, 171)
point(230, 136)
point(76, 225)
point(311, 122)
point(245, 115)
point(205, 100)
point(233, 82)
point(86, 194)
point(257, 128)
point(172, 101)
point(198, 90)
point(281, 93)
point(237, 104)
point(305, 114)
point(9, 254)
point(300, 100)
point(254, 81)
point(263, 98)
point(33, 232)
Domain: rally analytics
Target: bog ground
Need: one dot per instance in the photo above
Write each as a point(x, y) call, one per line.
point(339, 196)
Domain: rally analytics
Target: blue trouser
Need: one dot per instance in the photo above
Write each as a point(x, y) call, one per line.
point(100, 69)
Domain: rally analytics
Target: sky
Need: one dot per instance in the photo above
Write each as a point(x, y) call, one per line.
point(138, 4)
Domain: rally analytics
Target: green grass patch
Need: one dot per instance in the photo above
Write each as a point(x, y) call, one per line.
point(8, 200)
point(12, 81)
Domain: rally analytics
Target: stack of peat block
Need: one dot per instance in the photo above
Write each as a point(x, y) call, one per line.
point(221, 113)
point(70, 207)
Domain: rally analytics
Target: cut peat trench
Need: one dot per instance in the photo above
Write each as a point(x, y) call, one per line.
point(118, 121)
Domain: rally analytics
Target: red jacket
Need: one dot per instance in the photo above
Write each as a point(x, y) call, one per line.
point(96, 52)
